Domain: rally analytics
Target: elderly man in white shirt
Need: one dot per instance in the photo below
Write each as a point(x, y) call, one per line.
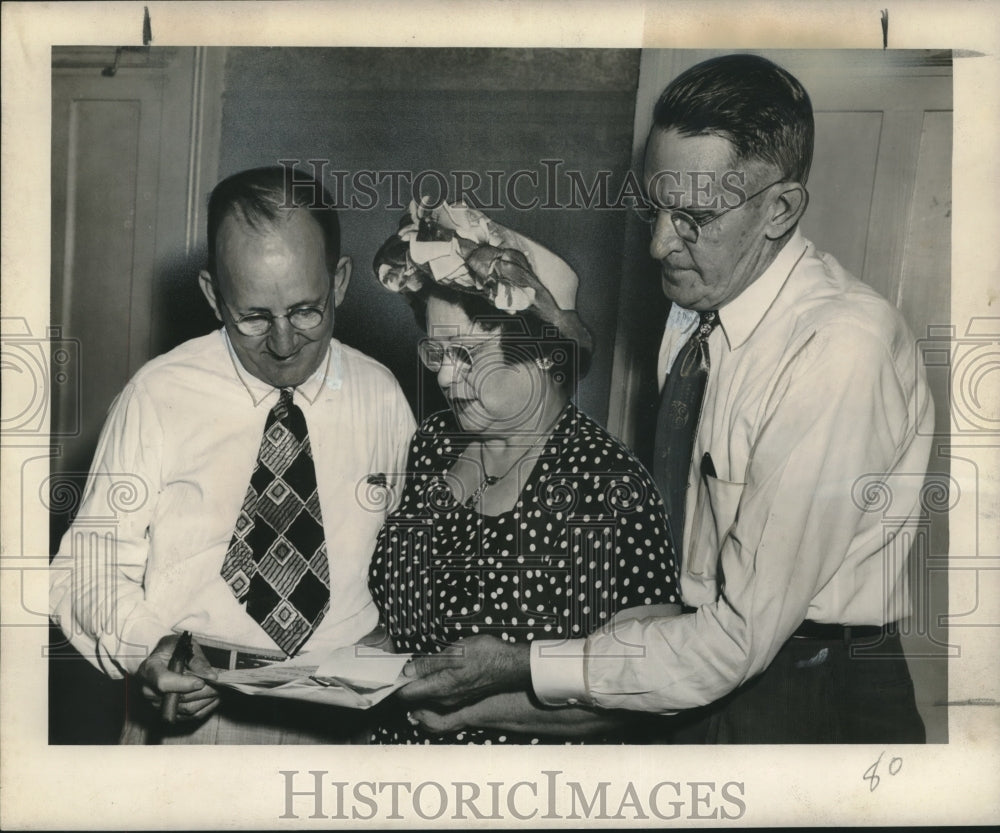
point(255, 445)
point(789, 387)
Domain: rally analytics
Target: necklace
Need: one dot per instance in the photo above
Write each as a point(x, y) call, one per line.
point(493, 479)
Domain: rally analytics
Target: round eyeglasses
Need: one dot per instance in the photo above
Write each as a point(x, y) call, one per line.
point(434, 354)
point(689, 223)
point(258, 324)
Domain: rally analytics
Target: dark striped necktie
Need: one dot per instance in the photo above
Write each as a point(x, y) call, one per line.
point(677, 422)
point(277, 562)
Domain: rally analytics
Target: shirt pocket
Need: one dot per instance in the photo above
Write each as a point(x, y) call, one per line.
point(714, 516)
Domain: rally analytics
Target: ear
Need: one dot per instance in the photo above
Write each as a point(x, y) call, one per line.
point(341, 278)
point(208, 290)
point(786, 209)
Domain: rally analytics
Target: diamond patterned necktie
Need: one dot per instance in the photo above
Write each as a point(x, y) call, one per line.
point(677, 422)
point(276, 563)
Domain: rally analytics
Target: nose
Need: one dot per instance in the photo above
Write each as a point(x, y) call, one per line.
point(446, 373)
point(665, 240)
point(281, 338)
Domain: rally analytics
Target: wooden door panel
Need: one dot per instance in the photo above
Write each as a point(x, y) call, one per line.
point(131, 155)
point(924, 287)
point(105, 165)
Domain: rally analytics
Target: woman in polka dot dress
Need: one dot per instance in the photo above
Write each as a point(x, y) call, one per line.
point(519, 517)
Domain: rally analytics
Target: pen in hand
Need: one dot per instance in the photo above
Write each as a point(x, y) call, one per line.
point(179, 659)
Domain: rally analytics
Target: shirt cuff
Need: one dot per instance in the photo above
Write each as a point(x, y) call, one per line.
point(557, 672)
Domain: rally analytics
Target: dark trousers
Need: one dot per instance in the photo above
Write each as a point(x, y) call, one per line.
point(816, 691)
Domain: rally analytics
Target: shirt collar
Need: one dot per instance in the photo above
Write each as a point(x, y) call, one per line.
point(328, 374)
point(741, 316)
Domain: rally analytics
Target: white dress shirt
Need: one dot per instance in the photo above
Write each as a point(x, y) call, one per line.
point(184, 434)
point(818, 421)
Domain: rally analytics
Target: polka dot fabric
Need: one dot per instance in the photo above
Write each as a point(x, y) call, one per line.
point(586, 538)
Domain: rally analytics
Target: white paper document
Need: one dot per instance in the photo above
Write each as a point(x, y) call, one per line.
point(355, 676)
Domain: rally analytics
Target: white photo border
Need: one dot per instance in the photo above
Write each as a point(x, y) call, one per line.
point(64, 787)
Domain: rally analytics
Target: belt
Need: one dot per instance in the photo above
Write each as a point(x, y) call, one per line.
point(229, 660)
point(847, 633)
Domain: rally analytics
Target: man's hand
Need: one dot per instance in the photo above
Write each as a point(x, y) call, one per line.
point(197, 699)
point(467, 671)
point(518, 712)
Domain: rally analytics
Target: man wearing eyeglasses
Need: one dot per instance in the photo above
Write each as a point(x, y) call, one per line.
point(789, 390)
point(255, 445)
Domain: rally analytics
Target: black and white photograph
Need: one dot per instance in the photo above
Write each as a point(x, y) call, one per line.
point(420, 378)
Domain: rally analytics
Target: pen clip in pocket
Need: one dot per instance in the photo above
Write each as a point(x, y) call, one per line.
point(716, 511)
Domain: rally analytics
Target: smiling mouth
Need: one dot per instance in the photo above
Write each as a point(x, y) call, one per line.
point(284, 359)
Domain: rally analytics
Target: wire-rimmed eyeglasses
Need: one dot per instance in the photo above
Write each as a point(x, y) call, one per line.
point(689, 223)
point(256, 324)
point(433, 354)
